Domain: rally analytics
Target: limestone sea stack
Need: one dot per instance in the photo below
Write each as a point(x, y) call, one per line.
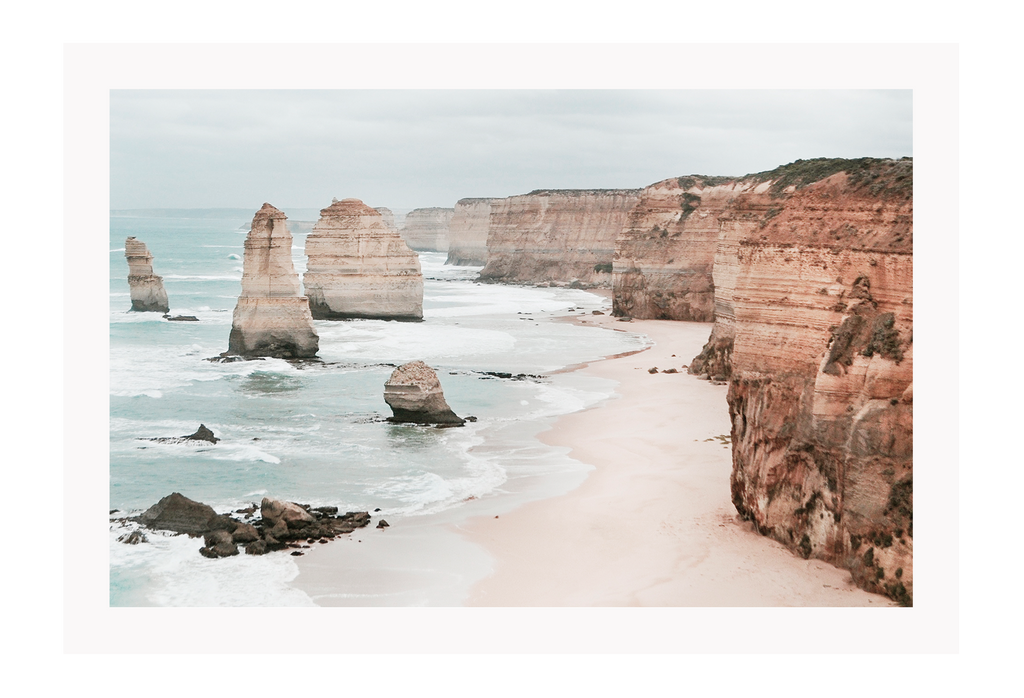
point(272, 317)
point(414, 394)
point(389, 217)
point(147, 289)
point(426, 229)
point(358, 268)
point(563, 237)
point(467, 234)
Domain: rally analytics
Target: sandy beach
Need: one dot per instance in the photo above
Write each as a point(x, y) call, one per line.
point(653, 524)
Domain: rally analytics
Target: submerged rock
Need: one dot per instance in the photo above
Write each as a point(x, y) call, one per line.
point(147, 289)
point(272, 317)
point(414, 394)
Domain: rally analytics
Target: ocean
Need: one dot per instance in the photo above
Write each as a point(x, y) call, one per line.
point(314, 432)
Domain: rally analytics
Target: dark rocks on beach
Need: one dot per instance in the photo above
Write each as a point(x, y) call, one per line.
point(670, 370)
point(470, 418)
point(280, 526)
point(133, 538)
point(625, 318)
point(178, 513)
point(181, 318)
point(383, 524)
point(653, 370)
point(596, 312)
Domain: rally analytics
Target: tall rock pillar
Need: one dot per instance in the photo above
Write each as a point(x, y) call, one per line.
point(147, 289)
point(272, 317)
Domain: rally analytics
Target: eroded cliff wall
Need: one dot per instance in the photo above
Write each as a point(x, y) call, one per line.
point(556, 236)
point(814, 326)
point(467, 235)
point(426, 229)
point(665, 254)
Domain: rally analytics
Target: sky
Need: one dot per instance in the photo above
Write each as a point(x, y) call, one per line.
point(417, 148)
point(419, 124)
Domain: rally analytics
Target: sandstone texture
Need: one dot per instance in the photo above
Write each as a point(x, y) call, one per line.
point(414, 394)
point(813, 279)
point(272, 317)
point(557, 236)
point(281, 525)
point(389, 217)
point(467, 235)
point(146, 288)
point(426, 229)
point(665, 254)
point(358, 268)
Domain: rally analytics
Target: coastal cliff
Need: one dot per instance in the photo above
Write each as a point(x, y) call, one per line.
point(665, 254)
point(426, 229)
point(813, 280)
point(556, 236)
point(271, 318)
point(388, 215)
point(146, 288)
point(467, 235)
point(358, 268)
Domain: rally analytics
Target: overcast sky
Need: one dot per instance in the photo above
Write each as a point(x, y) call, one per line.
point(415, 148)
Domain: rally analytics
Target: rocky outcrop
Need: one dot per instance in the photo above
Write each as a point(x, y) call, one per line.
point(282, 525)
point(271, 318)
point(358, 268)
point(146, 288)
point(467, 235)
point(814, 326)
point(557, 236)
point(426, 229)
point(203, 433)
point(178, 513)
point(414, 394)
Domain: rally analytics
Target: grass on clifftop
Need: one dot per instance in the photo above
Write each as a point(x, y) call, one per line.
point(888, 178)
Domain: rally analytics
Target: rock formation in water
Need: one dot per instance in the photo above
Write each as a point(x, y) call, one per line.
point(467, 235)
point(281, 525)
point(358, 268)
point(813, 280)
point(147, 289)
point(426, 229)
point(178, 513)
point(565, 237)
point(272, 317)
point(414, 394)
point(389, 217)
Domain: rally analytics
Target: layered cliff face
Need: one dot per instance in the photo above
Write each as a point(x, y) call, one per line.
point(467, 235)
point(559, 236)
point(426, 229)
point(271, 318)
point(665, 254)
point(146, 288)
point(814, 324)
point(358, 268)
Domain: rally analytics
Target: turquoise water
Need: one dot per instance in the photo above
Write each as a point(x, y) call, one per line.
point(314, 432)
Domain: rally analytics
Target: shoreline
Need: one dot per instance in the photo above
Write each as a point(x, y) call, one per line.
point(652, 524)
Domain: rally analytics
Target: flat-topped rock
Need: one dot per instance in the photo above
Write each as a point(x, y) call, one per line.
point(426, 229)
point(467, 233)
point(359, 268)
point(146, 288)
point(272, 317)
point(414, 394)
